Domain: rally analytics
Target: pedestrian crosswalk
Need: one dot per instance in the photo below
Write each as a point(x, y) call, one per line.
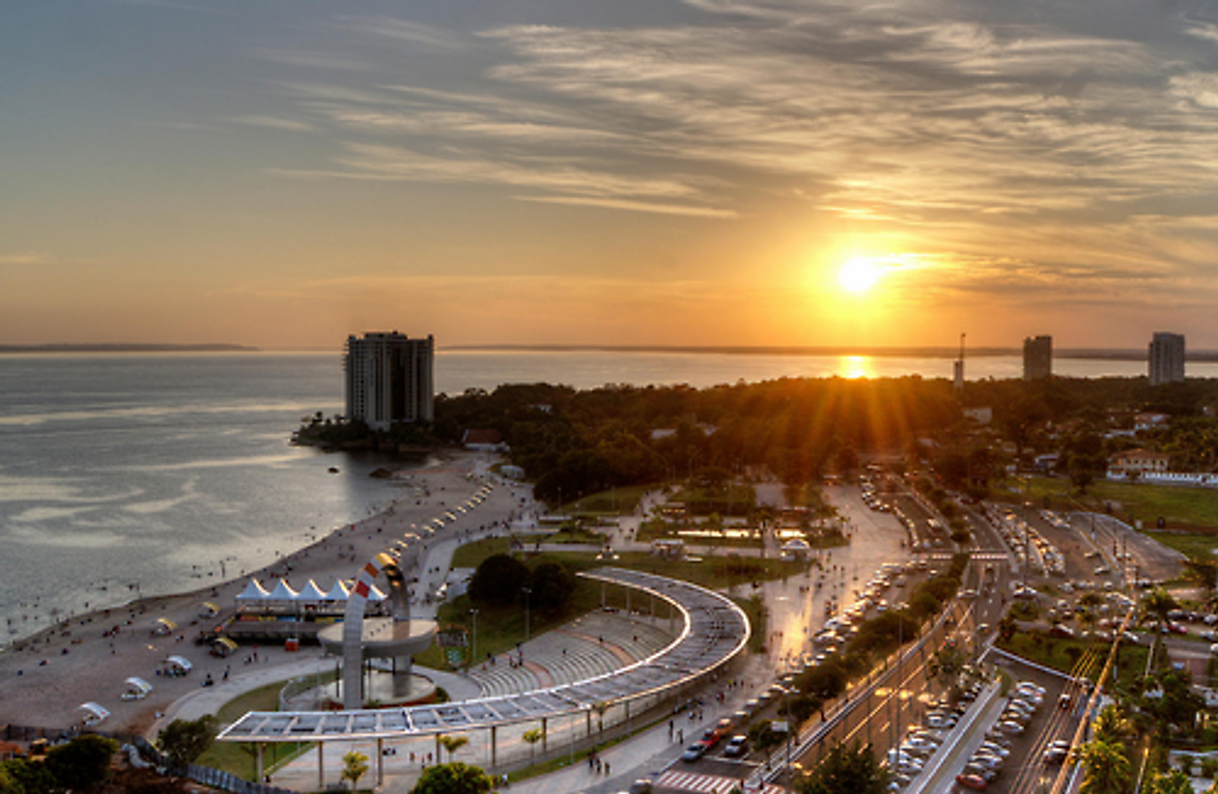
point(709, 784)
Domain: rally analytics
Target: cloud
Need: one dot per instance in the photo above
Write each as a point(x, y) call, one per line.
point(1060, 138)
point(404, 31)
point(273, 122)
point(41, 258)
point(635, 206)
point(577, 184)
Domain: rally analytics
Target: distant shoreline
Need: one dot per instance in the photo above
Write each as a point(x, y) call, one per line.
point(70, 347)
point(1095, 354)
point(1113, 354)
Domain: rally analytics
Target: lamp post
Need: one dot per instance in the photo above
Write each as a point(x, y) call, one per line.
point(473, 644)
point(527, 592)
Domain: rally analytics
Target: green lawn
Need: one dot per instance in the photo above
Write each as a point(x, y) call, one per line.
point(238, 757)
point(1193, 545)
point(471, 554)
point(1181, 506)
point(612, 502)
point(1061, 654)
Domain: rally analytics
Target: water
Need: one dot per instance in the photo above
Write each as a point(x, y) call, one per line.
point(148, 474)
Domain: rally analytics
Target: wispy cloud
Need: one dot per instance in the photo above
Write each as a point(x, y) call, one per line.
point(275, 123)
point(973, 126)
point(40, 258)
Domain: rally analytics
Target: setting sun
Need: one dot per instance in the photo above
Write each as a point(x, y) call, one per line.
point(858, 275)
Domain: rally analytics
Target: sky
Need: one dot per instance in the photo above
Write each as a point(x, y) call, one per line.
point(283, 173)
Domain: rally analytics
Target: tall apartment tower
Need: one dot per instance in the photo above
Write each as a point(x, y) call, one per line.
point(389, 379)
point(1037, 357)
point(1166, 358)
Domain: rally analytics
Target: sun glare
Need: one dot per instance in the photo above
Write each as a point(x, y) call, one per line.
point(859, 275)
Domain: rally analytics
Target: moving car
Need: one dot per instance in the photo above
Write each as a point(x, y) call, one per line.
point(693, 753)
point(737, 746)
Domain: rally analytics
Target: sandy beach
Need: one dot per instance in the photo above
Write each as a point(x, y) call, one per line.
point(45, 679)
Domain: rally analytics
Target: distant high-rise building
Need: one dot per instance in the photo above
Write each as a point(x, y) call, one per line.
point(389, 379)
point(1166, 358)
point(1037, 357)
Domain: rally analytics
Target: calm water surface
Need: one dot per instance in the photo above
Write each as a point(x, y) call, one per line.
point(168, 471)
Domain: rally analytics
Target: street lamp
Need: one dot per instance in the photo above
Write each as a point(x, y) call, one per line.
point(473, 649)
point(527, 592)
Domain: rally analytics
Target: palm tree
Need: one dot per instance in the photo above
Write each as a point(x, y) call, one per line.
point(533, 737)
point(452, 744)
point(355, 764)
point(1157, 604)
point(600, 707)
point(1171, 782)
point(1110, 725)
point(1107, 767)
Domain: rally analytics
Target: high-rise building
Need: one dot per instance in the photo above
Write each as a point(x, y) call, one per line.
point(1166, 358)
point(1037, 357)
point(389, 379)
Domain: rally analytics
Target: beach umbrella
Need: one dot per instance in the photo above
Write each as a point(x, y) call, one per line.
point(94, 713)
point(165, 626)
point(181, 662)
point(137, 688)
point(210, 610)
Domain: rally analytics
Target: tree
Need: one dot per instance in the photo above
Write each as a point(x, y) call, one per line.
point(498, 579)
point(600, 707)
point(1107, 767)
point(532, 738)
point(83, 763)
point(453, 778)
point(763, 736)
point(552, 585)
point(1171, 782)
point(1110, 725)
point(846, 770)
point(1157, 605)
point(185, 740)
point(355, 764)
point(452, 743)
point(25, 777)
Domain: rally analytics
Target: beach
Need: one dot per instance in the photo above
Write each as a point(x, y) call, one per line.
point(44, 679)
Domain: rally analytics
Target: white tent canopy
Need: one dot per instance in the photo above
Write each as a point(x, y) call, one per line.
point(311, 593)
point(253, 592)
point(797, 544)
point(282, 592)
point(338, 592)
point(376, 594)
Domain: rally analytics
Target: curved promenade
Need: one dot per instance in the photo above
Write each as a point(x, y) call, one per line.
point(714, 631)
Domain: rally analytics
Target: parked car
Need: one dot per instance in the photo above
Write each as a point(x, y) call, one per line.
point(974, 782)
